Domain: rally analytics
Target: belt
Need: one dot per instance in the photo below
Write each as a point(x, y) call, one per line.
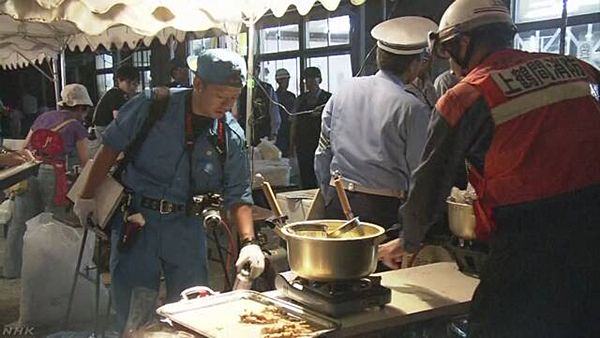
point(355, 187)
point(163, 206)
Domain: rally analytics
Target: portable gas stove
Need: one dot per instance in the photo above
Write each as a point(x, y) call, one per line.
point(334, 298)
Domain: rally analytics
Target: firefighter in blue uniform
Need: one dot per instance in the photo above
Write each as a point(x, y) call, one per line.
point(181, 157)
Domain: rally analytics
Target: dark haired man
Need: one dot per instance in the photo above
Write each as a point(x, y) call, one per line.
point(128, 79)
point(179, 74)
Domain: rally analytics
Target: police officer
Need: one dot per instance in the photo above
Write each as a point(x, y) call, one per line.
point(181, 156)
point(373, 130)
point(528, 126)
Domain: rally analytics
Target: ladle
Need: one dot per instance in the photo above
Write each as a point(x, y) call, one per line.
point(353, 222)
point(344, 228)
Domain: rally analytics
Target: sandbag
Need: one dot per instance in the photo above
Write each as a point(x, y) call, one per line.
point(7, 209)
point(50, 250)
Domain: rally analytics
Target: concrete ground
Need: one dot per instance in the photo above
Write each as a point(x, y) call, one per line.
point(10, 291)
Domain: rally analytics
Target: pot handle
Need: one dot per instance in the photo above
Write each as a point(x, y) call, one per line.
point(268, 191)
point(339, 187)
point(279, 219)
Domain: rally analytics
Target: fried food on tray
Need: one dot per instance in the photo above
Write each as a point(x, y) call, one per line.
point(287, 330)
point(269, 315)
point(281, 325)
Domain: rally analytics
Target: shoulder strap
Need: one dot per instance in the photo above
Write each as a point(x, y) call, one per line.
point(62, 125)
point(158, 108)
point(221, 140)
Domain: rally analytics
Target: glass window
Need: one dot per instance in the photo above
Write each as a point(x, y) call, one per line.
point(145, 80)
point(141, 58)
point(279, 39)
point(583, 42)
point(339, 30)
point(104, 61)
point(104, 82)
point(335, 69)
point(316, 34)
point(268, 69)
point(536, 10)
point(328, 32)
point(545, 40)
point(198, 45)
point(578, 7)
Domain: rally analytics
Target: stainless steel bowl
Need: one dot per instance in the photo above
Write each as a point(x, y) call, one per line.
point(461, 219)
point(314, 256)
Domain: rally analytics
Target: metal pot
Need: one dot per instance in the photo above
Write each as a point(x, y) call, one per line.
point(461, 219)
point(314, 256)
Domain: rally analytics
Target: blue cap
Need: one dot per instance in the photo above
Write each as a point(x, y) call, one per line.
point(219, 66)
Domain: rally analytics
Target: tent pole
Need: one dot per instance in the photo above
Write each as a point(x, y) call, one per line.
point(250, 83)
point(56, 81)
point(36, 67)
point(63, 69)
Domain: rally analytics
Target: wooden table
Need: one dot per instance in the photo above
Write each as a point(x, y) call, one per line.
point(418, 294)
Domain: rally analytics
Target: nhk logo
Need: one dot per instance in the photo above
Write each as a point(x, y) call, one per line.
point(8, 331)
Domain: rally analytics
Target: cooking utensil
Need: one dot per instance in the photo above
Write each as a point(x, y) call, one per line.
point(219, 314)
point(243, 281)
point(461, 220)
point(348, 226)
point(314, 256)
point(339, 188)
point(270, 195)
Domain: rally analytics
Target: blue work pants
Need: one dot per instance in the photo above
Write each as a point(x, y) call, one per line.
point(172, 244)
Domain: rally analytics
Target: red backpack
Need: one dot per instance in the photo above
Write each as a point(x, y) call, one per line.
point(48, 146)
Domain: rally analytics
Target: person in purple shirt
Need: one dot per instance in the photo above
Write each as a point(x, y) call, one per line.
point(40, 192)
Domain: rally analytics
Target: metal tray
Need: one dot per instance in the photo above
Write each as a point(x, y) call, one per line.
point(218, 316)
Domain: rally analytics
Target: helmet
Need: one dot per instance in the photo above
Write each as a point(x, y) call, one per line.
point(282, 73)
point(311, 73)
point(465, 15)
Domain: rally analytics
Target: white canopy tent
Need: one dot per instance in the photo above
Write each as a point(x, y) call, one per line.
point(83, 23)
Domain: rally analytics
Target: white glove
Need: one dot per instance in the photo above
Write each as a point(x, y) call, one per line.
point(251, 254)
point(84, 208)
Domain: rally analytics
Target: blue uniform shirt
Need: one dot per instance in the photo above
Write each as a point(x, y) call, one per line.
point(160, 170)
point(373, 132)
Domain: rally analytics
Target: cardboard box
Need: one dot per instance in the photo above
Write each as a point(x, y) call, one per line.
point(297, 205)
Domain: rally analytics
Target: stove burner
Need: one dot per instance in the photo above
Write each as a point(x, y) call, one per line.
point(339, 288)
point(335, 298)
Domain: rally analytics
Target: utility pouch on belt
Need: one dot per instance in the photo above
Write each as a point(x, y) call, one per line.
point(132, 224)
point(129, 232)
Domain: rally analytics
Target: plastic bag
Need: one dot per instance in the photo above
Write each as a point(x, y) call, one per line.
point(268, 150)
point(463, 196)
point(276, 172)
point(50, 250)
point(7, 208)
